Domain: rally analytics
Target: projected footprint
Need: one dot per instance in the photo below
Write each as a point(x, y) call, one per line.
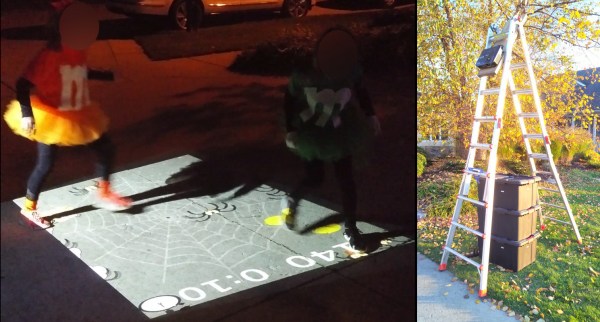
point(279, 220)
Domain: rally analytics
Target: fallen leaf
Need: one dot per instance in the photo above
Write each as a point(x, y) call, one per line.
point(511, 313)
point(477, 301)
point(446, 293)
point(448, 285)
point(505, 308)
point(594, 272)
point(559, 311)
point(466, 296)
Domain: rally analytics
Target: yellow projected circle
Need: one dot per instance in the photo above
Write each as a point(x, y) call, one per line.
point(327, 229)
point(277, 220)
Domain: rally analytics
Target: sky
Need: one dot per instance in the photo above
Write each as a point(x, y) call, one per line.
point(586, 58)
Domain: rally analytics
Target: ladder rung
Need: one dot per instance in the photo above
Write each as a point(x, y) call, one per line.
point(533, 136)
point(477, 172)
point(482, 146)
point(490, 91)
point(548, 189)
point(463, 257)
point(558, 221)
point(544, 173)
point(517, 66)
point(549, 180)
point(480, 234)
point(553, 205)
point(473, 201)
point(529, 115)
point(485, 119)
point(522, 91)
point(540, 156)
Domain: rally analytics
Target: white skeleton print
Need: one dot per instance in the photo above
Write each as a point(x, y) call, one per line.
point(75, 92)
point(328, 98)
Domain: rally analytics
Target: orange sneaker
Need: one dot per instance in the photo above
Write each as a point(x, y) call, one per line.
point(111, 200)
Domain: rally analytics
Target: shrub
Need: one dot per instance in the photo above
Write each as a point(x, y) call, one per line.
point(592, 158)
point(517, 167)
point(387, 37)
point(421, 163)
point(573, 141)
point(556, 146)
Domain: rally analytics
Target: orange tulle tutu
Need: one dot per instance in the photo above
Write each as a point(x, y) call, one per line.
point(65, 128)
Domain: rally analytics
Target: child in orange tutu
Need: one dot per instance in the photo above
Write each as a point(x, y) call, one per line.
point(61, 113)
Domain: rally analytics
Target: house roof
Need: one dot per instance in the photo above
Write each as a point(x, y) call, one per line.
point(588, 80)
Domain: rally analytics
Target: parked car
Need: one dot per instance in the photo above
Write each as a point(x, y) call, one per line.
point(176, 9)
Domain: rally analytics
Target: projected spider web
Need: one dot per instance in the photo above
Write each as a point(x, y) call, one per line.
point(187, 251)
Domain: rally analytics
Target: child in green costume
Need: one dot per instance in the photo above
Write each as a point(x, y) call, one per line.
point(329, 117)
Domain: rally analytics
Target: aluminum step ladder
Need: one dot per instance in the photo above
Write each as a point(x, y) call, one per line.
point(507, 38)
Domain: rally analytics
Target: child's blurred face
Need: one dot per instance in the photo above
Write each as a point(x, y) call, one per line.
point(337, 55)
point(78, 26)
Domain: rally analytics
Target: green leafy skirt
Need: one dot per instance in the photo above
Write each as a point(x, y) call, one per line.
point(332, 144)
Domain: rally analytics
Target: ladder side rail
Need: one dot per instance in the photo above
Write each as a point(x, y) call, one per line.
point(538, 106)
point(464, 188)
point(465, 184)
point(491, 181)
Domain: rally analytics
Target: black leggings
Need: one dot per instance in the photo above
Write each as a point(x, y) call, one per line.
point(315, 173)
point(103, 148)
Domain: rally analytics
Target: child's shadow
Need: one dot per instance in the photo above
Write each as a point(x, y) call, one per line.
point(240, 172)
point(372, 241)
point(203, 178)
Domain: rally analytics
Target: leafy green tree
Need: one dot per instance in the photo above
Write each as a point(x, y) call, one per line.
point(450, 37)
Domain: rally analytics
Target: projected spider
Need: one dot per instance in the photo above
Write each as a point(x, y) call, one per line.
point(215, 209)
point(273, 193)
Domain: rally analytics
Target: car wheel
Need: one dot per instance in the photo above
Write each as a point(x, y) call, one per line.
point(296, 8)
point(178, 14)
point(389, 3)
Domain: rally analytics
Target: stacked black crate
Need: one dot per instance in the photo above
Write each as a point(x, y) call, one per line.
point(514, 235)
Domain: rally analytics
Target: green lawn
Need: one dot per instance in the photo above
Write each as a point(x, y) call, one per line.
point(563, 284)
